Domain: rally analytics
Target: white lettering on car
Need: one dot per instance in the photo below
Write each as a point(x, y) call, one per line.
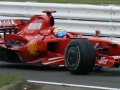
point(34, 26)
point(7, 23)
point(103, 60)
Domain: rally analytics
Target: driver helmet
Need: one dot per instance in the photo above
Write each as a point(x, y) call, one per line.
point(59, 32)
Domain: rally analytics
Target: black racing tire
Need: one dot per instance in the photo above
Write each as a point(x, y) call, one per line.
point(80, 56)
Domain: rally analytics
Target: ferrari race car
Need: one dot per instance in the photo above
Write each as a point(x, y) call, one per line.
point(39, 42)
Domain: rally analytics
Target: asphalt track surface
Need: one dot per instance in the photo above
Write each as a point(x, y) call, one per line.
point(108, 77)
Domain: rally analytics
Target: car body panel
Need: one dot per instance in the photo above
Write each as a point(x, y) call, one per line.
point(35, 42)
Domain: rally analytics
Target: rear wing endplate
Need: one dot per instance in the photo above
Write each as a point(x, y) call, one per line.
point(10, 25)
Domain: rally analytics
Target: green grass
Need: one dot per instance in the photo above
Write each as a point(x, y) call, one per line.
point(7, 79)
point(75, 1)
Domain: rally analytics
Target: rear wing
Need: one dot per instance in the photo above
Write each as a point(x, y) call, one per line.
point(10, 25)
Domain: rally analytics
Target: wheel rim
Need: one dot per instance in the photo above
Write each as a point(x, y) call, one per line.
point(73, 56)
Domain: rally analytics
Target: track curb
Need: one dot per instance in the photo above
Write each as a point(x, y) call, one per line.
point(13, 86)
point(42, 85)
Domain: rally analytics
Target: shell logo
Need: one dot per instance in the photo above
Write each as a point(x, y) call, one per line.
point(32, 48)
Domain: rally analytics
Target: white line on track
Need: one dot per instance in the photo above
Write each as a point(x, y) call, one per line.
point(74, 85)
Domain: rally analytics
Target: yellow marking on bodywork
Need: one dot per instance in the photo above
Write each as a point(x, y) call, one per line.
point(32, 48)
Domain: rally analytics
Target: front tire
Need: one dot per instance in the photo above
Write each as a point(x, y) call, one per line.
point(80, 56)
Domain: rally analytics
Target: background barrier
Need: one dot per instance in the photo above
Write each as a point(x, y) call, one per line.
point(72, 17)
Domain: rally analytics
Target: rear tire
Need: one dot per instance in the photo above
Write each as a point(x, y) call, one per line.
point(80, 56)
point(9, 55)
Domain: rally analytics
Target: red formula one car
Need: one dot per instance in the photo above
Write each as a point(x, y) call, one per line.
point(38, 41)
